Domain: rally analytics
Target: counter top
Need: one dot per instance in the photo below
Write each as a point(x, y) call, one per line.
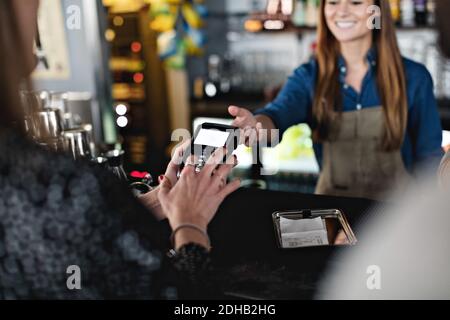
point(248, 262)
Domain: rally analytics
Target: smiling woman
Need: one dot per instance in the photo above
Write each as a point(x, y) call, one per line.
point(408, 243)
point(373, 113)
point(344, 30)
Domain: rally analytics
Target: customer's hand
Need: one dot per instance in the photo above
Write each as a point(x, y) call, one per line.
point(150, 200)
point(248, 124)
point(177, 158)
point(196, 197)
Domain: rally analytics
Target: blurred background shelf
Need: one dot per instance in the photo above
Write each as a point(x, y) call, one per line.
point(139, 88)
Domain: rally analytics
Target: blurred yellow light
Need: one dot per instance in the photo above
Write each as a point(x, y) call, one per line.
point(253, 25)
point(118, 21)
point(108, 3)
point(120, 6)
point(110, 35)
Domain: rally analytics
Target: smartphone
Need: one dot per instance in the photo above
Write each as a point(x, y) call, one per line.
point(208, 138)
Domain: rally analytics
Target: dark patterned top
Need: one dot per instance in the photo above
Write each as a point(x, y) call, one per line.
point(66, 225)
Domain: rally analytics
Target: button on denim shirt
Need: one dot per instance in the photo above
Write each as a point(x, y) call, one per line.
point(423, 136)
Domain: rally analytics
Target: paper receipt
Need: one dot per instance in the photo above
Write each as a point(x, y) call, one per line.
point(303, 232)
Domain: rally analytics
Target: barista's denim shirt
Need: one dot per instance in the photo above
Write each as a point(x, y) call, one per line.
point(423, 137)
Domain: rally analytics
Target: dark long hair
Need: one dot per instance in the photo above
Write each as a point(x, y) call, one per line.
point(13, 67)
point(391, 80)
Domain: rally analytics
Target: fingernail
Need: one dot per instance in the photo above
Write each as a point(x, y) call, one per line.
point(160, 178)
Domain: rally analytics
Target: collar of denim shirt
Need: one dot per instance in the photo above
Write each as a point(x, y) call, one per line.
point(371, 57)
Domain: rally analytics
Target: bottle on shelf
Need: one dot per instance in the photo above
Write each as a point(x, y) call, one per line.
point(395, 10)
point(312, 13)
point(299, 17)
point(431, 8)
point(115, 163)
point(420, 11)
point(407, 13)
point(212, 84)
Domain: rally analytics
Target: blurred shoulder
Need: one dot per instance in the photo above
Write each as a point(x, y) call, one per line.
point(308, 69)
point(35, 172)
point(20, 153)
point(306, 74)
point(416, 73)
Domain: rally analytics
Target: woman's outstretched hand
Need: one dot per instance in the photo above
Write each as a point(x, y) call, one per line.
point(247, 122)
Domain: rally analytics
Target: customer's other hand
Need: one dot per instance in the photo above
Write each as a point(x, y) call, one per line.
point(150, 200)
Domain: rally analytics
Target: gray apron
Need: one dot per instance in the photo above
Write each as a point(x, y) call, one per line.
point(354, 164)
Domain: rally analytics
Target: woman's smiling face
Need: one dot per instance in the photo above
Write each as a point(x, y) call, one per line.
point(347, 19)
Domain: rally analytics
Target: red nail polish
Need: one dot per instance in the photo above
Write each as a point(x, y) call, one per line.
point(160, 178)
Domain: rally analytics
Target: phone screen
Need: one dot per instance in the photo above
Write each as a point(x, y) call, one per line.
point(212, 138)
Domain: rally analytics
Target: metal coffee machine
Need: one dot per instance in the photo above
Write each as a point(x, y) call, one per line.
point(51, 123)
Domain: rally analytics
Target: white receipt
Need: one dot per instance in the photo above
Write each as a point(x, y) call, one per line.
point(303, 232)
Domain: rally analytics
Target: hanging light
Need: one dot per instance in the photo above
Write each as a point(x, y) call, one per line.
point(210, 89)
point(118, 21)
point(136, 46)
point(121, 109)
point(122, 121)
